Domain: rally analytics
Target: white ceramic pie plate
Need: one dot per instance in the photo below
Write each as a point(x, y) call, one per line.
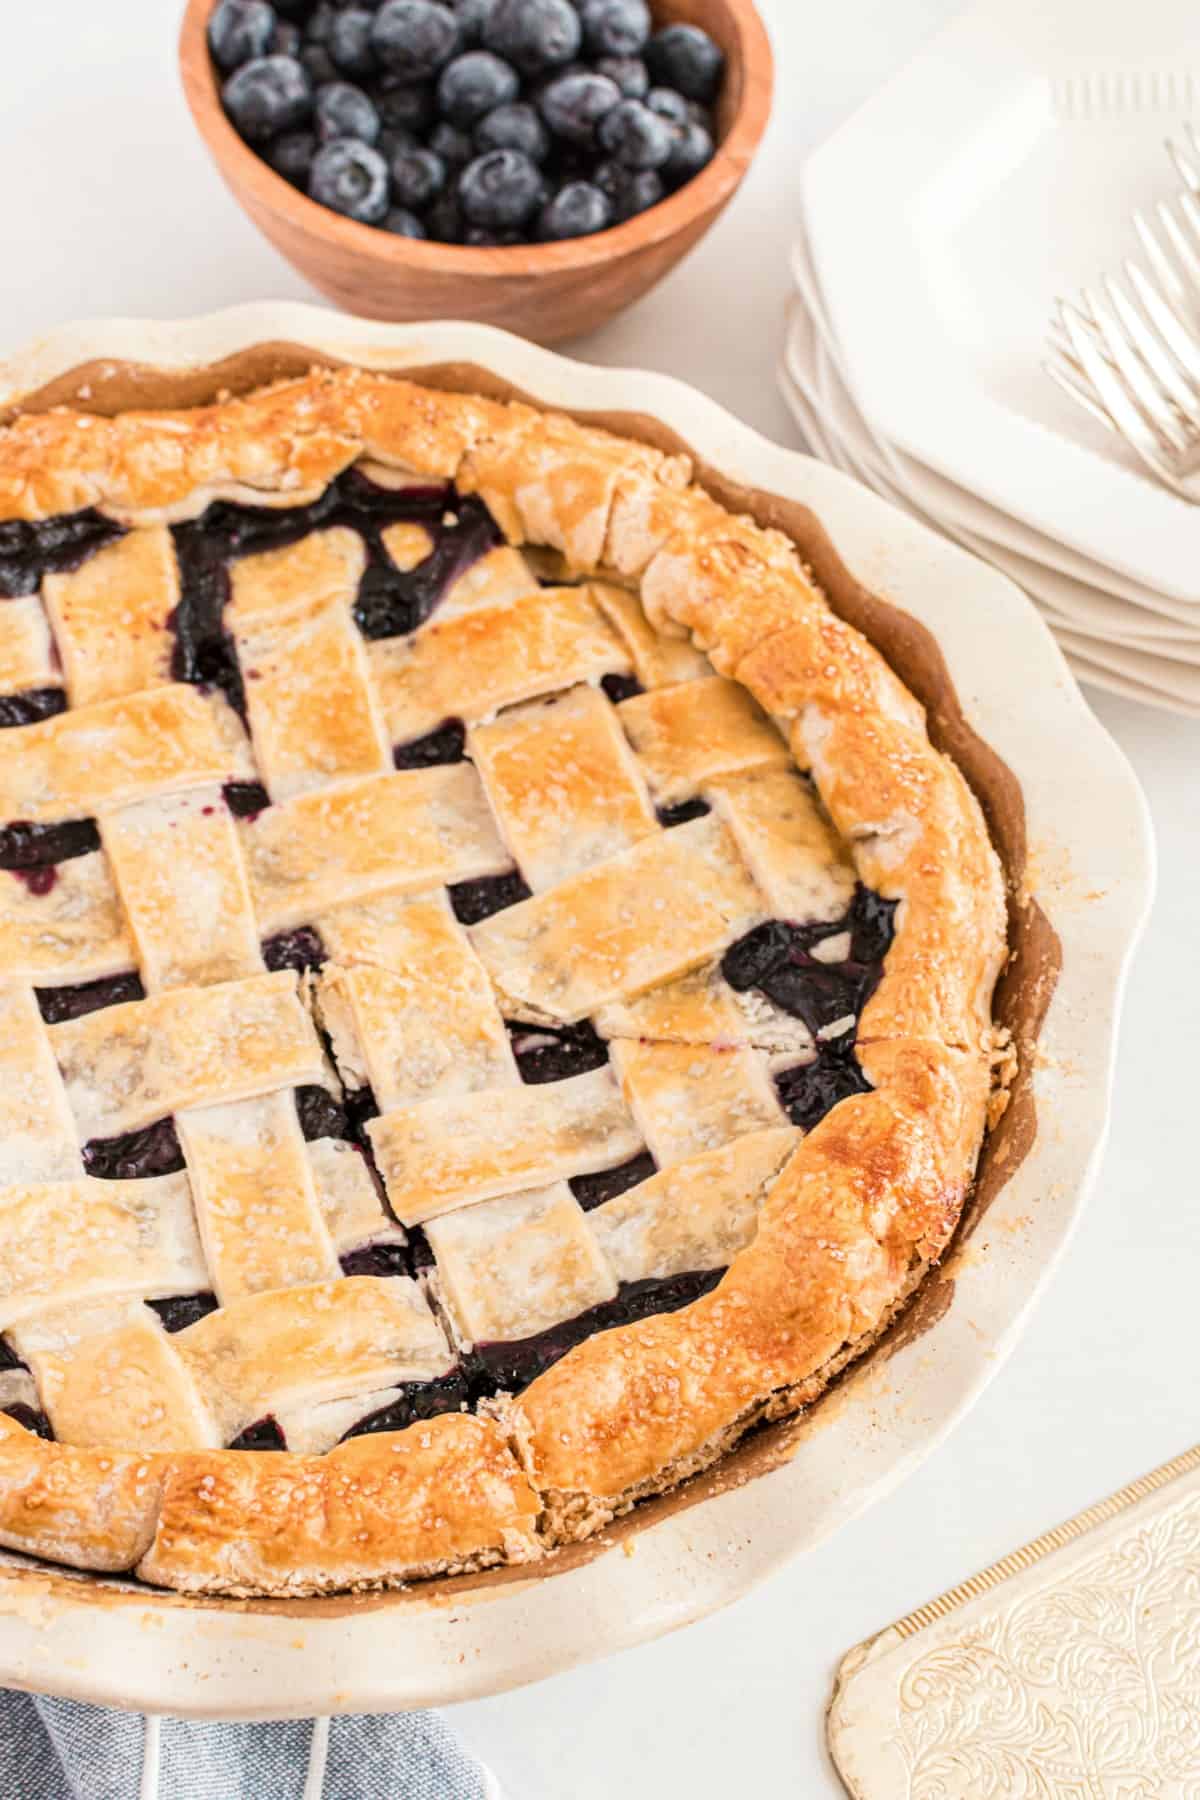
point(1092, 865)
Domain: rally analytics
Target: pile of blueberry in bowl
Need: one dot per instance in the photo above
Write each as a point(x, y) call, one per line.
point(479, 122)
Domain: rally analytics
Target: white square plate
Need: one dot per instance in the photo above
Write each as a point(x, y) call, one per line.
point(999, 170)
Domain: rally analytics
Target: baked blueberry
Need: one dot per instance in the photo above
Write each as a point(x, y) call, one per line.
point(684, 57)
point(407, 106)
point(349, 41)
point(418, 177)
point(500, 190)
point(628, 191)
point(343, 110)
point(320, 65)
point(516, 127)
point(267, 96)
point(453, 146)
point(574, 105)
point(472, 16)
point(240, 30)
point(352, 178)
point(402, 223)
point(415, 38)
point(534, 34)
point(629, 72)
point(577, 210)
point(634, 136)
point(668, 105)
point(473, 85)
point(615, 27)
point(291, 155)
point(691, 151)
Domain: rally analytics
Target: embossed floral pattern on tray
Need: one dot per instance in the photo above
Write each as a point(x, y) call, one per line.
point(1070, 1671)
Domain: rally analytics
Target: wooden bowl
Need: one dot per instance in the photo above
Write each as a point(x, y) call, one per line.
point(546, 292)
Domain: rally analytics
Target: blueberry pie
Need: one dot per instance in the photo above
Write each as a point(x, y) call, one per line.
point(495, 985)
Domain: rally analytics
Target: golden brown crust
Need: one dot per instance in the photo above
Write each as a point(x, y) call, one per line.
point(440, 1497)
point(861, 1207)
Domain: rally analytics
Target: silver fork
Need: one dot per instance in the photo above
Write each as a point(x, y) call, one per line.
point(1130, 355)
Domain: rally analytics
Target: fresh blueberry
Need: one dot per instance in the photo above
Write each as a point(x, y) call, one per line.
point(574, 105)
point(352, 178)
point(474, 84)
point(691, 151)
point(392, 140)
point(615, 27)
point(577, 210)
point(286, 39)
point(240, 30)
point(534, 34)
point(500, 190)
point(294, 9)
point(443, 221)
point(408, 106)
point(628, 191)
point(635, 136)
point(320, 65)
point(291, 155)
point(418, 177)
point(402, 223)
point(343, 110)
point(684, 57)
point(472, 17)
point(452, 145)
point(668, 105)
point(267, 96)
point(320, 22)
point(349, 41)
point(479, 238)
point(514, 128)
point(629, 72)
point(415, 38)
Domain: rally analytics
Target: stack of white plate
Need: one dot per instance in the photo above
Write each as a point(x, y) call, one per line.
point(1000, 169)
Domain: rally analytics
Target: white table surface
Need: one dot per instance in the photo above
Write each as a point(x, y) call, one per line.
point(111, 206)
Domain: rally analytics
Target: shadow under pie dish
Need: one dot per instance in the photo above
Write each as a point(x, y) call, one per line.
point(500, 985)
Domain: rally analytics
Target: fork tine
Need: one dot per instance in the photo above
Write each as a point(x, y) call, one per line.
point(1114, 396)
point(1160, 363)
point(1185, 169)
point(1193, 136)
point(1071, 385)
point(1190, 212)
point(1178, 339)
point(1147, 395)
point(1160, 265)
point(1185, 255)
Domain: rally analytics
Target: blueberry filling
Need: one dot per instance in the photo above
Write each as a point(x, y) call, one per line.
point(28, 708)
point(476, 900)
point(58, 1003)
point(508, 1368)
point(182, 1310)
point(807, 1093)
point(29, 551)
point(26, 846)
point(445, 745)
point(553, 1053)
point(32, 1418)
point(390, 601)
point(685, 810)
point(417, 1400)
point(420, 1251)
point(779, 959)
point(606, 1184)
point(320, 1114)
point(621, 687)
point(264, 1434)
point(245, 799)
point(376, 1259)
point(301, 950)
point(135, 1155)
